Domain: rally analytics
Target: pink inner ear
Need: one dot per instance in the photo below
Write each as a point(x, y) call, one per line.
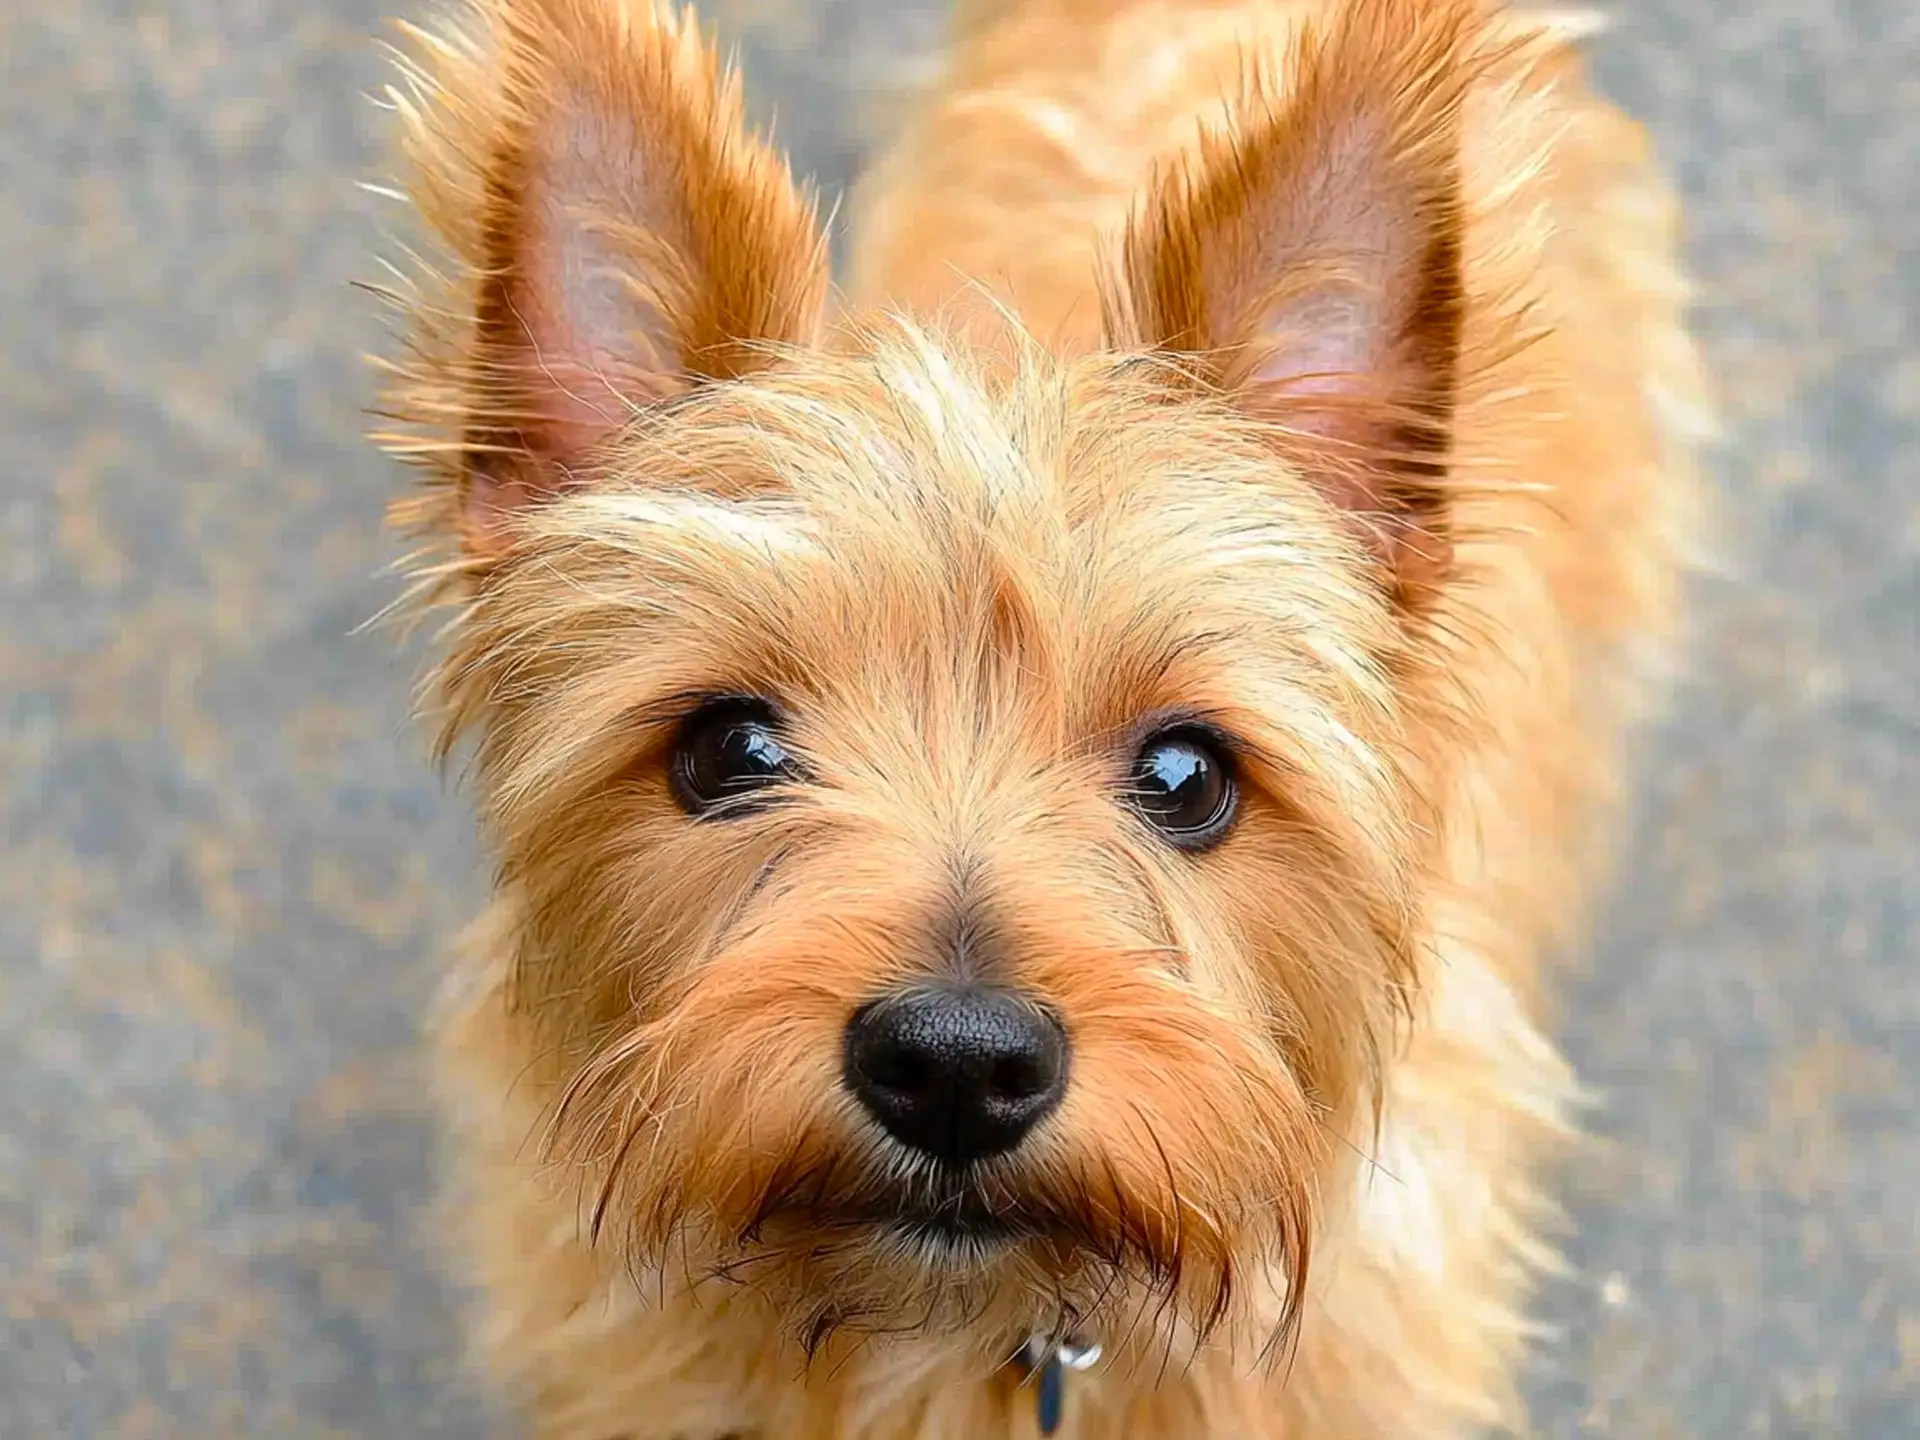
point(1353, 342)
point(1332, 362)
point(597, 331)
point(1325, 344)
point(1327, 295)
point(1354, 337)
point(580, 339)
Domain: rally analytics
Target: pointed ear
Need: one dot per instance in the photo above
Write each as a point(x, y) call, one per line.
point(627, 238)
point(1308, 255)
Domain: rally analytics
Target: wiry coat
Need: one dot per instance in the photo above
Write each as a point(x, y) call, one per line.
point(1312, 366)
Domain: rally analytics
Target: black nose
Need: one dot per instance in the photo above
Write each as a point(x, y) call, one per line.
point(956, 1072)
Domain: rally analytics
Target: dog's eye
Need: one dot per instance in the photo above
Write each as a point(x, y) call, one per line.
point(728, 752)
point(1182, 785)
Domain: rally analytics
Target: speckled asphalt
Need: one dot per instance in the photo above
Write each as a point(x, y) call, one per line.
point(226, 864)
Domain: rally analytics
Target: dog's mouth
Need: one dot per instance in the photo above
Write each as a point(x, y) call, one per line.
point(941, 1219)
point(967, 1224)
point(957, 1227)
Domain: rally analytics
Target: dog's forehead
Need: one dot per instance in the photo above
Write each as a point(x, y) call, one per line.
point(901, 531)
point(905, 477)
point(912, 474)
point(907, 449)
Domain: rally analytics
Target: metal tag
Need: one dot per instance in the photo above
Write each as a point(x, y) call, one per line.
point(1048, 1362)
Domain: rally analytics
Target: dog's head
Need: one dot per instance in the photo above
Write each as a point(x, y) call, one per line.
point(958, 815)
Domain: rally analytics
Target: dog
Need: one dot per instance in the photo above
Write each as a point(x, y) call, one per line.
point(1034, 801)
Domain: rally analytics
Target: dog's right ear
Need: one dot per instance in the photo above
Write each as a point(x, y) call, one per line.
point(624, 237)
point(1308, 255)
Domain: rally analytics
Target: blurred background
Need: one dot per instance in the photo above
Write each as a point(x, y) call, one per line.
point(226, 864)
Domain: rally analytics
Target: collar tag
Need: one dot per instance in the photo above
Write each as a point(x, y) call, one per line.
point(1047, 1362)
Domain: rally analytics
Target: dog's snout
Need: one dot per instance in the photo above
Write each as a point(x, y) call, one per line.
point(956, 1072)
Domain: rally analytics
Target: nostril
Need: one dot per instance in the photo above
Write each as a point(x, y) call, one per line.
point(1020, 1077)
point(892, 1066)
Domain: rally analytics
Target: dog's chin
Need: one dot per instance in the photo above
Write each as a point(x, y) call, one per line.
point(890, 1266)
point(956, 1241)
point(947, 1231)
point(984, 1267)
point(935, 1221)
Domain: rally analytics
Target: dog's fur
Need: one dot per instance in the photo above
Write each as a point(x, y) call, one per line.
point(1312, 367)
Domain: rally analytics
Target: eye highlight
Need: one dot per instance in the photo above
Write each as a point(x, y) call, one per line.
point(1182, 784)
point(729, 752)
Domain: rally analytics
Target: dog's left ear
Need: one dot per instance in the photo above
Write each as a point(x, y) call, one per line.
point(1308, 257)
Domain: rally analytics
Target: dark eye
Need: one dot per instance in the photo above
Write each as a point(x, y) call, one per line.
point(1182, 785)
point(728, 752)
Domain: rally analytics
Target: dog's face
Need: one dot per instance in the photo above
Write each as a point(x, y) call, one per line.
point(955, 813)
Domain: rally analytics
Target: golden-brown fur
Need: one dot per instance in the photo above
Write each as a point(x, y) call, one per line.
point(1311, 367)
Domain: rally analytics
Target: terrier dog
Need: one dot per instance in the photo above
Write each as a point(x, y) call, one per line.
point(1032, 802)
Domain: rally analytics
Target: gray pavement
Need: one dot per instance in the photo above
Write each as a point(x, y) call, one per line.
point(226, 865)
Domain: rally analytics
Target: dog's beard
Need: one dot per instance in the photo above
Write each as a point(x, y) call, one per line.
point(1170, 1197)
point(864, 1241)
